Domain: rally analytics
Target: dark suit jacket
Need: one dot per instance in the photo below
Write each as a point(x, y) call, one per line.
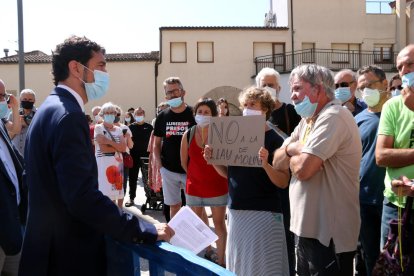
point(12, 216)
point(68, 215)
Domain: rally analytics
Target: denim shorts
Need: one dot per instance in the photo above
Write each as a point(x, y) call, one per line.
point(196, 201)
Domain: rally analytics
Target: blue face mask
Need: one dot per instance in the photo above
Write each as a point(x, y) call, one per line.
point(109, 118)
point(408, 80)
point(97, 89)
point(139, 119)
point(3, 109)
point(396, 92)
point(176, 102)
point(343, 94)
point(305, 108)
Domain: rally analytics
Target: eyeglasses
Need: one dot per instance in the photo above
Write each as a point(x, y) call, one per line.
point(271, 85)
point(343, 84)
point(173, 92)
point(399, 87)
point(370, 84)
point(5, 97)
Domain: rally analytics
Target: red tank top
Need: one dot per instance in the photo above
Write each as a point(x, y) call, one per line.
point(202, 179)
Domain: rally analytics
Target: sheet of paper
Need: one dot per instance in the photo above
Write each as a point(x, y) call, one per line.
point(190, 231)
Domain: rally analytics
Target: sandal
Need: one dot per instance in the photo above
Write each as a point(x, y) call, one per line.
point(211, 256)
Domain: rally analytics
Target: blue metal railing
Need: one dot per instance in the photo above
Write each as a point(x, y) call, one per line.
point(123, 260)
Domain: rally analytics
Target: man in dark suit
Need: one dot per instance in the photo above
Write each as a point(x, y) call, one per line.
point(12, 198)
point(68, 215)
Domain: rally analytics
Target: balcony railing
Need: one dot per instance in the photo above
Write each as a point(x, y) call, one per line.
point(124, 260)
point(332, 59)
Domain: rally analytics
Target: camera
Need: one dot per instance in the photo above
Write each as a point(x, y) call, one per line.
point(27, 118)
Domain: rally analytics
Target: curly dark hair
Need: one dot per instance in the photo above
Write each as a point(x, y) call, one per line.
point(74, 48)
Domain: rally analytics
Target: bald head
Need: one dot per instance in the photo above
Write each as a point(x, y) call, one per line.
point(346, 78)
point(405, 60)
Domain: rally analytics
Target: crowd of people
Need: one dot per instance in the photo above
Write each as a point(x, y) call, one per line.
point(336, 167)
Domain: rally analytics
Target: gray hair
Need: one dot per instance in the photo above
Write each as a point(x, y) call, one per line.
point(267, 71)
point(107, 107)
point(349, 72)
point(173, 80)
point(315, 75)
point(95, 108)
point(28, 91)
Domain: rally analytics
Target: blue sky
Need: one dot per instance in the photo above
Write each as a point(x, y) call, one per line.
point(121, 26)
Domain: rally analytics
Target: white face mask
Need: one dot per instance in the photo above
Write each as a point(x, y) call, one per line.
point(371, 96)
point(98, 119)
point(202, 120)
point(251, 112)
point(272, 91)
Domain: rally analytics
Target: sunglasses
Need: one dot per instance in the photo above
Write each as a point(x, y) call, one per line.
point(399, 87)
point(342, 84)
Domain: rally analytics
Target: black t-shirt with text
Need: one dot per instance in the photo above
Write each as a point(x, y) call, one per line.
point(171, 126)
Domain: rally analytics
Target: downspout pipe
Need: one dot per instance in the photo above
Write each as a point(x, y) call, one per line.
point(158, 62)
point(292, 33)
point(21, 44)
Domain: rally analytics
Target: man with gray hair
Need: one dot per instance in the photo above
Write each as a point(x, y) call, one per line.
point(324, 154)
point(345, 87)
point(26, 112)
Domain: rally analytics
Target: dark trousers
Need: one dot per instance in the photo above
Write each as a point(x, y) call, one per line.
point(316, 259)
point(126, 174)
point(370, 234)
point(290, 237)
point(133, 175)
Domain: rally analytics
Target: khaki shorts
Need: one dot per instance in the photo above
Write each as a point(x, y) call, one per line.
point(172, 183)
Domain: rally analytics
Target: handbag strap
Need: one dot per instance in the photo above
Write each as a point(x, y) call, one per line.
point(110, 134)
point(112, 137)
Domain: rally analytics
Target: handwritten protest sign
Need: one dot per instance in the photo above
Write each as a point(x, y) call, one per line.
point(236, 140)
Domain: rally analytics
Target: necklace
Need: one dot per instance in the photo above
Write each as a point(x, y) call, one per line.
point(203, 139)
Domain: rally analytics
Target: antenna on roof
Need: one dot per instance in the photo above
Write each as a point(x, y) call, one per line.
point(270, 17)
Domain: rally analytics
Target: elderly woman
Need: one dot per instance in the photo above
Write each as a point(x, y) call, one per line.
point(256, 243)
point(109, 144)
point(128, 140)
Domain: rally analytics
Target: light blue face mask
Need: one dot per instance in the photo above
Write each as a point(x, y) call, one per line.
point(97, 89)
point(343, 94)
point(139, 119)
point(3, 109)
point(176, 102)
point(109, 118)
point(408, 80)
point(396, 92)
point(305, 108)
